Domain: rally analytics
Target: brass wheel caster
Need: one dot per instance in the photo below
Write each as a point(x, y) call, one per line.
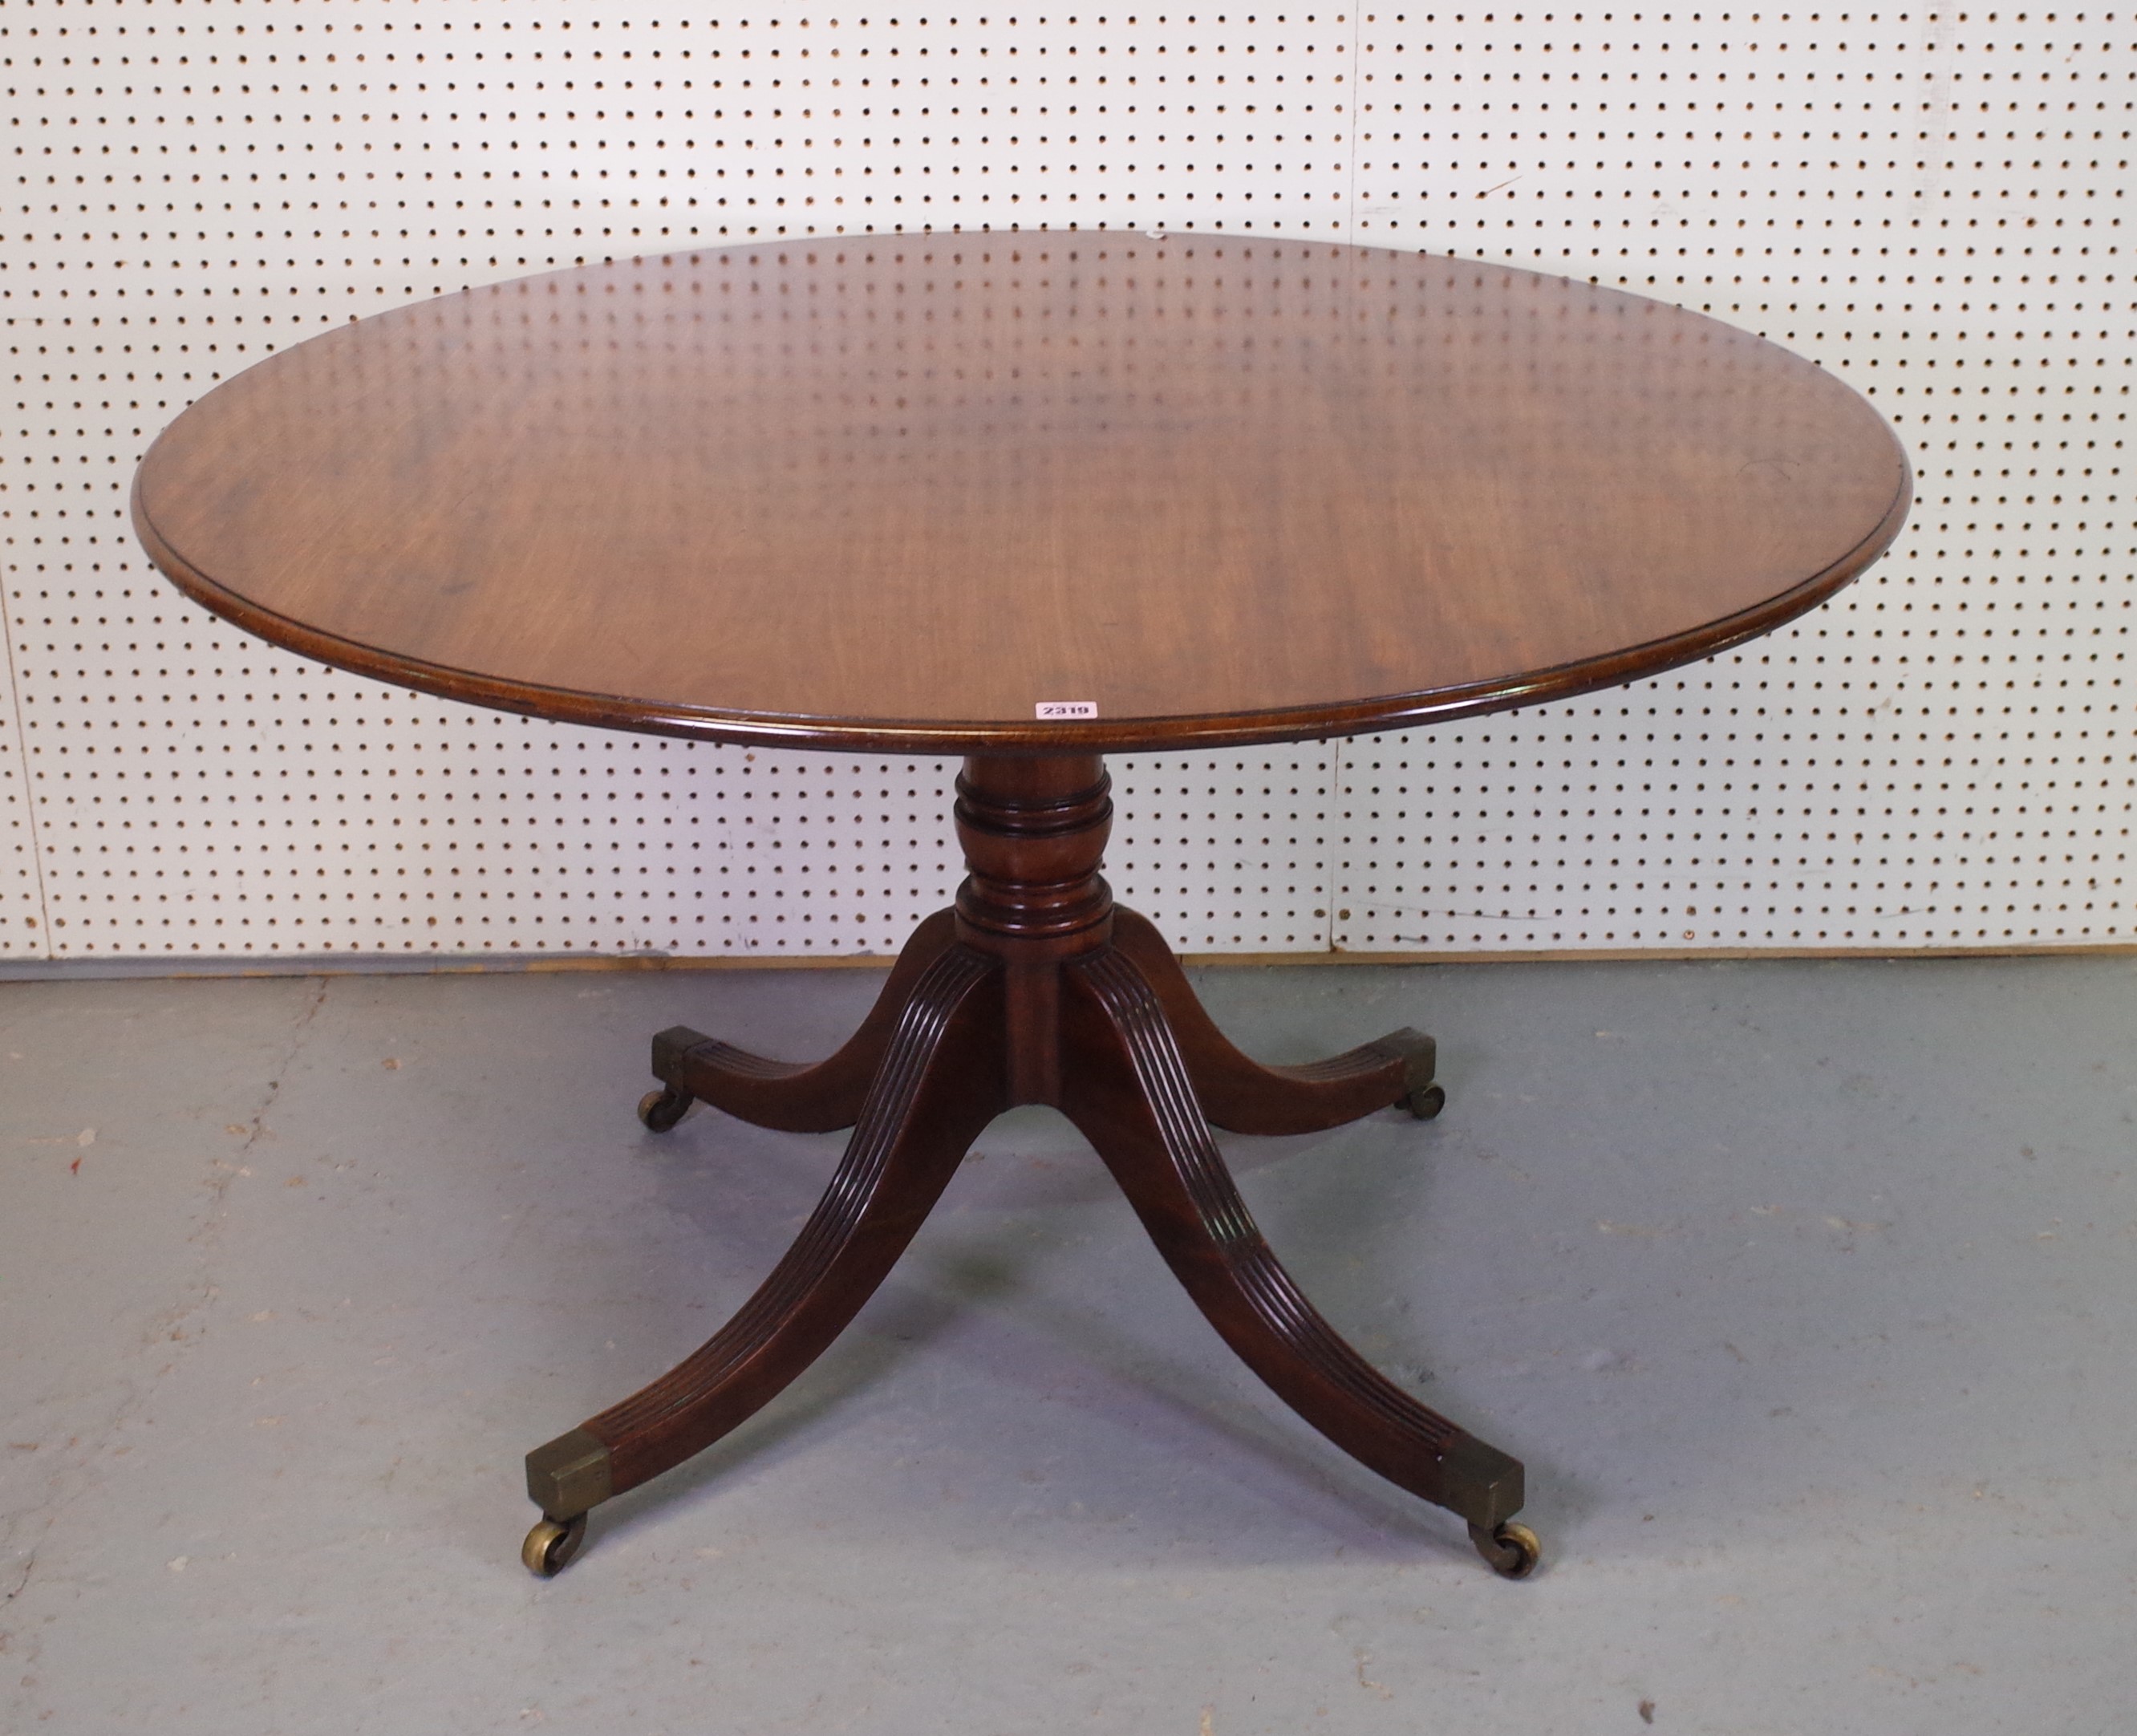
point(1427, 1103)
point(551, 1545)
point(660, 1110)
point(1512, 1550)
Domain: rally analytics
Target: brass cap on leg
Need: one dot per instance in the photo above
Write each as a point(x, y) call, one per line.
point(568, 1476)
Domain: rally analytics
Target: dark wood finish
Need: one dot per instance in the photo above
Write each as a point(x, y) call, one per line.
point(1127, 1090)
point(904, 494)
point(1242, 1096)
point(1033, 832)
point(1035, 989)
point(795, 1097)
point(892, 494)
point(940, 1083)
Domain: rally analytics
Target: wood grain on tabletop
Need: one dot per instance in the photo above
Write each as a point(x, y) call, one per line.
point(893, 493)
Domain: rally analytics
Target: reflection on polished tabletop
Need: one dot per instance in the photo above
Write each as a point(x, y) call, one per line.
point(898, 493)
point(928, 494)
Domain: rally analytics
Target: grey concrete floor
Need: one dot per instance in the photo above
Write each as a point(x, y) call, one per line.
point(1808, 1291)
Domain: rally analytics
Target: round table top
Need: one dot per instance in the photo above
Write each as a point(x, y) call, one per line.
point(957, 495)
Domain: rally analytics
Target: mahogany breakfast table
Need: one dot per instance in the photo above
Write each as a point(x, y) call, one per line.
point(1029, 500)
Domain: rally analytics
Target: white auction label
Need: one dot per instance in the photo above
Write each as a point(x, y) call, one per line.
point(1067, 708)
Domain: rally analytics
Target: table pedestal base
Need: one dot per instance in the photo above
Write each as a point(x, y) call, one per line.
point(1035, 989)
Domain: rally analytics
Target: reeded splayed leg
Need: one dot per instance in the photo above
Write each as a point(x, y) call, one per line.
point(1128, 1090)
point(794, 1097)
point(940, 1083)
point(1244, 1096)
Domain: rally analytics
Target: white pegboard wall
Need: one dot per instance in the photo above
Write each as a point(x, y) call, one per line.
point(1226, 852)
point(22, 909)
point(1928, 200)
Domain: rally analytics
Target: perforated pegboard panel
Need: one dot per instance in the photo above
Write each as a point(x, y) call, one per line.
point(21, 910)
point(1929, 202)
point(1226, 852)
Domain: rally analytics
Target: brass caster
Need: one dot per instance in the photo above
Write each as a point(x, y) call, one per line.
point(1512, 1550)
point(551, 1545)
point(1427, 1103)
point(660, 1110)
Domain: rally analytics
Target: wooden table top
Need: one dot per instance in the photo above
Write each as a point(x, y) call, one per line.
point(897, 494)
